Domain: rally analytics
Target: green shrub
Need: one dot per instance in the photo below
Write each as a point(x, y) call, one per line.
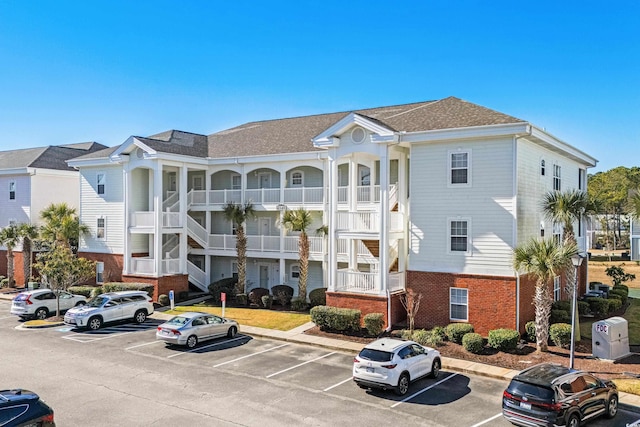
point(282, 294)
point(530, 331)
point(598, 306)
point(428, 338)
point(226, 285)
point(374, 323)
point(560, 334)
point(561, 305)
point(334, 318)
point(583, 308)
point(405, 334)
point(473, 342)
point(256, 294)
point(163, 300)
point(455, 331)
point(440, 331)
point(503, 339)
point(622, 287)
point(614, 305)
point(241, 300)
point(120, 286)
point(85, 291)
point(621, 293)
point(267, 300)
point(318, 297)
point(298, 304)
point(560, 316)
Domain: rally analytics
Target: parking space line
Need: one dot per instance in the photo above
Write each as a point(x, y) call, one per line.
point(336, 385)
point(142, 345)
point(250, 355)
point(206, 346)
point(487, 420)
point(84, 338)
point(300, 364)
point(423, 390)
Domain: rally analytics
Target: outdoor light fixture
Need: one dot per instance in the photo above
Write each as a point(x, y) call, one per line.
point(576, 260)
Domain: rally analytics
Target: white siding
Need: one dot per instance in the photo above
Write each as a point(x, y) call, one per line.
point(487, 203)
point(19, 208)
point(47, 188)
point(110, 205)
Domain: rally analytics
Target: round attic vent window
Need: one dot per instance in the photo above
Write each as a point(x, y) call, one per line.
point(139, 153)
point(357, 135)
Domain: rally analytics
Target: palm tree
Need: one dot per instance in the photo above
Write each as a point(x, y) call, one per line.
point(299, 220)
point(237, 214)
point(28, 233)
point(9, 238)
point(544, 259)
point(62, 225)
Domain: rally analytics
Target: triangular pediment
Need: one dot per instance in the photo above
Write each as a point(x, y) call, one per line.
point(331, 136)
point(134, 147)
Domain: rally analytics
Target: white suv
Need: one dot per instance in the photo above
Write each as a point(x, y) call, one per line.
point(390, 363)
point(42, 302)
point(111, 307)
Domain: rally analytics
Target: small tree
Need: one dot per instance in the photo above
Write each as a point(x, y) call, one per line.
point(60, 268)
point(238, 214)
point(28, 233)
point(9, 238)
point(411, 302)
point(299, 220)
point(618, 276)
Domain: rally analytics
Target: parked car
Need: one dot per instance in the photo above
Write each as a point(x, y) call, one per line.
point(392, 364)
point(190, 328)
point(550, 394)
point(24, 408)
point(111, 307)
point(42, 302)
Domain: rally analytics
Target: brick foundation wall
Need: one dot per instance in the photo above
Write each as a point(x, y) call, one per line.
point(18, 267)
point(365, 303)
point(161, 285)
point(113, 265)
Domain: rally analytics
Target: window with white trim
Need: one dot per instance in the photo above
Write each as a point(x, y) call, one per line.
point(12, 190)
point(459, 235)
point(557, 177)
point(557, 233)
point(236, 182)
point(101, 228)
point(581, 179)
point(295, 272)
point(556, 288)
point(100, 182)
point(459, 167)
point(99, 272)
point(198, 182)
point(459, 304)
point(296, 179)
point(542, 167)
point(364, 175)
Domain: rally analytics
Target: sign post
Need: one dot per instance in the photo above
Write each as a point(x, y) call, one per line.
point(223, 299)
point(171, 299)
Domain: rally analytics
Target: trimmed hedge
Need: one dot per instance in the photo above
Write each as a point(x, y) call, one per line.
point(621, 293)
point(455, 331)
point(473, 342)
point(530, 331)
point(428, 338)
point(282, 294)
point(85, 291)
point(163, 300)
point(561, 305)
point(374, 323)
point(337, 319)
point(119, 286)
point(318, 297)
point(298, 304)
point(560, 334)
point(440, 331)
point(503, 339)
point(267, 300)
point(560, 316)
point(614, 305)
point(226, 285)
point(583, 308)
point(598, 306)
point(256, 294)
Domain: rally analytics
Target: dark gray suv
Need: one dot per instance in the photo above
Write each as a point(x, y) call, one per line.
point(24, 408)
point(554, 395)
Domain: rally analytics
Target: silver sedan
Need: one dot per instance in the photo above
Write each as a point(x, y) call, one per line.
point(189, 328)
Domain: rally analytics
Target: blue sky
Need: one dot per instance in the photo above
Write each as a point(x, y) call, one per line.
point(75, 71)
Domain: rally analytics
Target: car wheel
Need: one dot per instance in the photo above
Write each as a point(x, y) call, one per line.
point(232, 332)
point(403, 385)
point(435, 368)
point(612, 406)
point(140, 316)
point(94, 323)
point(573, 420)
point(192, 341)
point(41, 313)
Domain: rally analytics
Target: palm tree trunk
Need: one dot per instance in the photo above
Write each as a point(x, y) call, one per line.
point(10, 274)
point(543, 302)
point(241, 247)
point(303, 243)
point(26, 260)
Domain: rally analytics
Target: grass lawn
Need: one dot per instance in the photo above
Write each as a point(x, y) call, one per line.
point(632, 315)
point(270, 319)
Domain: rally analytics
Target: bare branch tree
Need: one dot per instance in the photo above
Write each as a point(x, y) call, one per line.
point(411, 303)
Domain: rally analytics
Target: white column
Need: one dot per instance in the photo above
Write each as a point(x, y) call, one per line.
point(384, 217)
point(157, 229)
point(182, 194)
point(353, 184)
point(127, 219)
point(331, 175)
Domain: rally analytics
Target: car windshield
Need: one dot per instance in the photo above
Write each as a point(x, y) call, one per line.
point(376, 355)
point(532, 391)
point(178, 320)
point(97, 302)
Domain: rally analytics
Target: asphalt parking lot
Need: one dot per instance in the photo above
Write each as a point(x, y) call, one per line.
point(121, 375)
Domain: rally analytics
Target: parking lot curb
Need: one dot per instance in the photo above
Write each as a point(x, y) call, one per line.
point(48, 325)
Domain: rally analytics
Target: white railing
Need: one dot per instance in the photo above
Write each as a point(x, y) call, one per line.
point(171, 219)
point(304, 195)
point(222, 197)
point(172, 202)
point(171, 247)
point(197, 232)
point(171, 266)
point(358, 282)
point(222, 241)
point(262, 195)
point(141, 265)
point(358, 221)
point(396, 281)
point(197, 276)
point(263, 243)
point(142, 219)
point(393, 195)
point(343, 194)
point(197, 197)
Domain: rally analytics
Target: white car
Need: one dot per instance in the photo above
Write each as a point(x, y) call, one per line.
point(392, 364)
point(190, 328)
point(111, 307)
point(41, 303)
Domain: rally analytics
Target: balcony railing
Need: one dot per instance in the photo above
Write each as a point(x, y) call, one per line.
point(262, 195)
point(265, 243)
point(366, 221)
point(142, 219)
point(171, 219)
point(171, 266)
point(367, 283)
point(141, 265)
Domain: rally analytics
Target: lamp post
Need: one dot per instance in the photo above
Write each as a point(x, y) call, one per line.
point(576, 260)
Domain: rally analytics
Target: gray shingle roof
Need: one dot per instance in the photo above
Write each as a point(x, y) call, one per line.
point(51, 157)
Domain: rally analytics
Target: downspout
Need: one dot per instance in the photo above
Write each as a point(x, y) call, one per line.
point(396, 141)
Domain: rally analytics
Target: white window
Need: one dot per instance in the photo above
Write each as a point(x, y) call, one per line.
point(234, 228)
point(236, 182)
point(557, 233)
point(459, 168)
point(458, 235)
point(556, 177)
point(12, 190)
point(296, 179)
point(295, 272)
point(99, 272)
point(197, 182)
point(100, 180)
point(101, 228)
point(556, 288)
point(542, 167)
point(581, 180)
point(458, 304)
point(364, 174)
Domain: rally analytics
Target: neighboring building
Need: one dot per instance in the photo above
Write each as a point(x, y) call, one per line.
point(33, 178)
point(432, 196)
point(634, 238)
